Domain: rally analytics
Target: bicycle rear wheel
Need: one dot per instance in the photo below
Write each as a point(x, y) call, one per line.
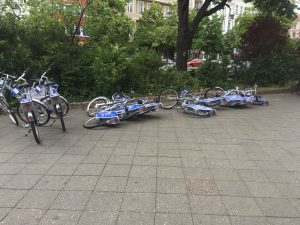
point(41, 112)
point(169, 98)
point(93, 123)
point(96, 104)
point(213, 92)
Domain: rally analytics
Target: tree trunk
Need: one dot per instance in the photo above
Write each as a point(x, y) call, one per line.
point(184, 38)
point(186, 33)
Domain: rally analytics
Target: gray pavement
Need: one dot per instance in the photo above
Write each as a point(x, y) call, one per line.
point(241, 167)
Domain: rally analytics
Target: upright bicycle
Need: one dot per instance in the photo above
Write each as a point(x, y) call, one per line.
point(4, 105)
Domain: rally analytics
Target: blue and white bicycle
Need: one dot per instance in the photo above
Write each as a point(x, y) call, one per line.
point(111, 112)
point(186, 102)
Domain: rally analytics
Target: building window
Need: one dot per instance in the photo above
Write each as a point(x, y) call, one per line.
point(130, 6)
point(229, 25)
point(140, 7)
point(148, 5)
point(241, 10)
point(198, 5)
point(166, 10)
point(236, 9)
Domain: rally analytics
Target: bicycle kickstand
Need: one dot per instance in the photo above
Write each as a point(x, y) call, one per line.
point(28, 132)
point(53, 122)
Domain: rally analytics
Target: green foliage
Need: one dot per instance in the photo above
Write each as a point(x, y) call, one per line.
point(209, 37)
point(142, 71)
point(266, 70)
point(107, 22)
point(156, 31)
point(233, 37)
point(212, 74)
point(284, 8)
point(108, 70)
point(178, 80)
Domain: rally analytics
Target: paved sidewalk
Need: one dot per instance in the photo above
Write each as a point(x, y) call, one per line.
point(241, 167)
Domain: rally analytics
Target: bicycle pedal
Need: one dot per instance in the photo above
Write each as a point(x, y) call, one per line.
point(26, 125)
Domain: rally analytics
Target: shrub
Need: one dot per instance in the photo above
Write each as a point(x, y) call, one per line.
point(212, 74)
point(176, 79)
point(142, 71)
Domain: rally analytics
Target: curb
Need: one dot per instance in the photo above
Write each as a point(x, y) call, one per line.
point(274, 91)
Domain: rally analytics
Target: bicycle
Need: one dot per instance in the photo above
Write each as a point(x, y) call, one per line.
point(120, 108)
point(41, 111)
point(249, 94)
point(5, 106)
point(187, 102)
point(29, 112)
point(41, 92)
point(101, 103)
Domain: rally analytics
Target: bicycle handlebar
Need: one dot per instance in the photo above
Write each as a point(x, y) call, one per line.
point(43, 75)
point(7, 75)
point(22, 76)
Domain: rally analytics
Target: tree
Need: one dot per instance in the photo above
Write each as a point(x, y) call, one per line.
point(233, 37)
point(209, 37)
point(107, 23)
point(187, 31)
point(156, 31)
point(264, 35)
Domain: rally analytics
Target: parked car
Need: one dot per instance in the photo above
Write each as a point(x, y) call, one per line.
point(194, 63)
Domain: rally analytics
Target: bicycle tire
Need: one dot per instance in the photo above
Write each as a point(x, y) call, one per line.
point(91, 110)
point(40, 110)
point(213, 92)
point(61, 118)
point(168, 98)
point(35, 132)
point(64, 104)
point(298, 89)
point(13, 118)
point(92, 123)
point(11, 114)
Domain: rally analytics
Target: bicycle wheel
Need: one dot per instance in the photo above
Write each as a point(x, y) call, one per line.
point(65, 105)
point(35, 131)
point(213, 92)
point(168, 98)
point(10, 112)
point(61, 118)
point(298, 89)
point(96, 104)
point(93, 123)
point(41, 112)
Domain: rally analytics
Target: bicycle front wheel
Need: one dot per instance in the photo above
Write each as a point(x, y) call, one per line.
point(41, 112)
point(61, 118)
point(96, 105)
point(93, 123)
point(168, 98)
point(10, 112)
point(35, 132)
point(213, 92)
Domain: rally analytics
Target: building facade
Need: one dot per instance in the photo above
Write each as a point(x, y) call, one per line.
point(231, 13)
point(135, 8)
point(295, 29)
